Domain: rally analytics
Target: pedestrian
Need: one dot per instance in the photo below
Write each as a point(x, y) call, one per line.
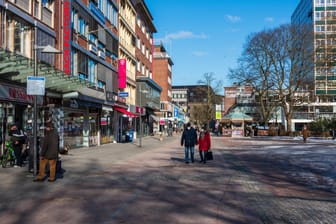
point(204, 143)
point(305, 133)
point(170, 128)
point(49, 153)
point(17, 139)
point(189, 140)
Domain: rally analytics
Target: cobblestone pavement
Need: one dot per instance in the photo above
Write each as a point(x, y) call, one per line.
point(249, 181)
point(286, 181)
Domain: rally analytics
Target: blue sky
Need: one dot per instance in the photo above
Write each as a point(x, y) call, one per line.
point(208, 36)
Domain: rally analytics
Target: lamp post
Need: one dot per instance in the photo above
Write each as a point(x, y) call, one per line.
point(45, 49)
point(140, 104)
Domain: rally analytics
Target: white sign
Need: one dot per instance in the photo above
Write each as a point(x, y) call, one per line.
point(35, 85)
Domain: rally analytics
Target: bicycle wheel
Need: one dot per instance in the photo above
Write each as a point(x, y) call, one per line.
point(4, 160)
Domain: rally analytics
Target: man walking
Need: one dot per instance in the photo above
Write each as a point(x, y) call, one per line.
point(189, 140)
point(49, 153)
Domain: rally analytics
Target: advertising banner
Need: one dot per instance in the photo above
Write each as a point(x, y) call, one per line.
point(122, 73)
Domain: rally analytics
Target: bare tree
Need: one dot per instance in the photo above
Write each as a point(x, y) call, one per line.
point(206, 111)
point(277, 62)
point(292, 60)
point(255, 69)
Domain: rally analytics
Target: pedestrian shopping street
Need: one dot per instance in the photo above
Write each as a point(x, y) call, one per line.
point(250, 180)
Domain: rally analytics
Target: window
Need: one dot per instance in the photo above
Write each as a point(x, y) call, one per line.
point(138, 21)
point(81, 26)
point(138, 66)
point(101, 84)
point(138, 43)
point(93, 39)
point(92, 71)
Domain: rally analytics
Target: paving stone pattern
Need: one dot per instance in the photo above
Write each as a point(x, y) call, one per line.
point(259, 180)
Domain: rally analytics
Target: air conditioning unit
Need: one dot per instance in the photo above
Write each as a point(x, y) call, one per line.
point(93, 48)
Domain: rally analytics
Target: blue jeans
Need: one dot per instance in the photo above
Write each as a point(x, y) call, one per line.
point(186, 153)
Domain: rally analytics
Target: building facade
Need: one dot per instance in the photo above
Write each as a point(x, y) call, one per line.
point(92, 31)
point(320, 100)
point(181, 100)
point(162, 66)
point(148, 92)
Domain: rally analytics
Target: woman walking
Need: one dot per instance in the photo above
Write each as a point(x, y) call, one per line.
point(204, 143)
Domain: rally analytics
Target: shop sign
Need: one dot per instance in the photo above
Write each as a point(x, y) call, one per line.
point(123, 94)
point(14, 93)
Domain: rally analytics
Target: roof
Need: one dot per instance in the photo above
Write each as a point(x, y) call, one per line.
point(237, 116)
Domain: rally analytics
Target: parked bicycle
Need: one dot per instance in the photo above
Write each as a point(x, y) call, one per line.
point(8, 157)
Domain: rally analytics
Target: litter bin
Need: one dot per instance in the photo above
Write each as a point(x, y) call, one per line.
point(130, 135)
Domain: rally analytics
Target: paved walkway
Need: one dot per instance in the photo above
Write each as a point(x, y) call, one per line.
point(249, 181)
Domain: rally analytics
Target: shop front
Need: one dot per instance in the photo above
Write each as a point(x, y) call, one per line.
point(106, 125)
point(81, 126)
point(126, 123)
point(15, 107)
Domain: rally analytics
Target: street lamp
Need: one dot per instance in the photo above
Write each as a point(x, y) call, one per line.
point(45, 49)
point(140, 104)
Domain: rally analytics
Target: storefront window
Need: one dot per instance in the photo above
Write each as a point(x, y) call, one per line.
point(73, 128)
point(106, 128)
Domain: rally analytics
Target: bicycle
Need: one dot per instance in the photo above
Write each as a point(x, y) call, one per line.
point(8, 157)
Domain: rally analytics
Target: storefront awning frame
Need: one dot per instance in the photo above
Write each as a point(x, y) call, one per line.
point(126, 112)
point(15, 67)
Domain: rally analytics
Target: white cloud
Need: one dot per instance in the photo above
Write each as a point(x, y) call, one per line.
point(233, 19)
point(269, 19)
point(181, 35)
point(199, 53)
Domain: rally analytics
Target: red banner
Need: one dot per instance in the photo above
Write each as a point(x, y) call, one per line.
point(67, 37)
point(122, 73)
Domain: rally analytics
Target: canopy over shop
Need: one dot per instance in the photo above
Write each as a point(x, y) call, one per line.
point(237, 123)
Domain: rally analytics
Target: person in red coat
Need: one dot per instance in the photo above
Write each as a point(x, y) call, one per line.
point(204, 143)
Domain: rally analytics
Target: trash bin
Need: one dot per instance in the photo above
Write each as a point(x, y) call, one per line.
point(130, 135)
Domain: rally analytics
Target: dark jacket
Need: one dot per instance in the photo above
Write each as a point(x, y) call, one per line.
point(50, 145)
point(17, 137)
point(189, 137)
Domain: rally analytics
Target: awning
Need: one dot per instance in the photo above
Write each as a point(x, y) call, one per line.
point(122, 110)
point(155, 118)
point(15, 67)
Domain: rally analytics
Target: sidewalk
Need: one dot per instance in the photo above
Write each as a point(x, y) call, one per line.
point(120, 151)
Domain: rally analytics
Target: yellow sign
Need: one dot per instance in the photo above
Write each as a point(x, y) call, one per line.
point(218, 115)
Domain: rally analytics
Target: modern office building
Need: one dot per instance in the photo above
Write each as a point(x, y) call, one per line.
point(320, 100)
